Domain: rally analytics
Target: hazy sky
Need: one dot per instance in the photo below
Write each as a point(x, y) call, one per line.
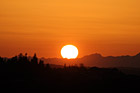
point(109, 27)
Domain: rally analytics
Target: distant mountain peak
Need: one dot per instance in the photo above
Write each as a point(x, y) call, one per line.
point(138, 54)
point(97, 55)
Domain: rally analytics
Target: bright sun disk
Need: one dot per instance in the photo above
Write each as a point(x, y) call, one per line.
point(69, 52)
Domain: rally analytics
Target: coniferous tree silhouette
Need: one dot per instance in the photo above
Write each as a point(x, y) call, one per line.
point(34, 60)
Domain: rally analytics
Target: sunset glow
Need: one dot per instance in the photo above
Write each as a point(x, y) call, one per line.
point(109, 27)
point(71, 46)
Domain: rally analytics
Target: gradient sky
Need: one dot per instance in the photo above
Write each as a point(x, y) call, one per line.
point(109, 27)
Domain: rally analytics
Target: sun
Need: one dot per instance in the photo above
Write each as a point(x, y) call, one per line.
point(69, 52)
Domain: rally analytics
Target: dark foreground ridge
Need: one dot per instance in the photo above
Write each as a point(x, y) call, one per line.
point(21, 74)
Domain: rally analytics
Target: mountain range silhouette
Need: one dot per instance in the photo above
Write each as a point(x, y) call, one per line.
point(99, 61)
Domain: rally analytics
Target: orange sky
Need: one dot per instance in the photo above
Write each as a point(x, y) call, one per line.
point(109, 27)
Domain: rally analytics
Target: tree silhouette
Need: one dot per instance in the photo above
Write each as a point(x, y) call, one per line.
point(22, 74)
point(34, 60)
point(41, 64)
